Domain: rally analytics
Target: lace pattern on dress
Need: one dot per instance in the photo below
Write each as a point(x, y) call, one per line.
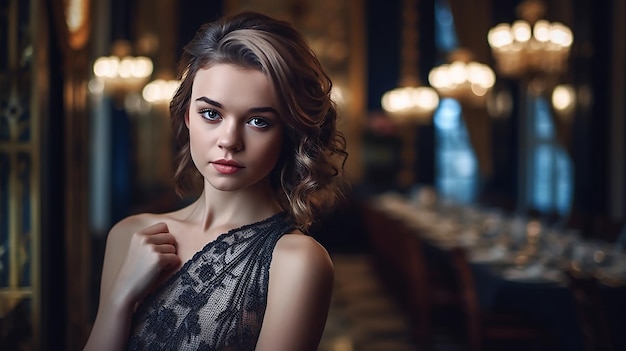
point(217, 300)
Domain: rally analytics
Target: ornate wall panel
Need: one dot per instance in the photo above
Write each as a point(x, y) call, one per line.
point(20, 177)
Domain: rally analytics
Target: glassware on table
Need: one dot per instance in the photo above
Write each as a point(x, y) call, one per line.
point(589, 256)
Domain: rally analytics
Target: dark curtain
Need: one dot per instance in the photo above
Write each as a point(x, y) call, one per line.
point(471, 31)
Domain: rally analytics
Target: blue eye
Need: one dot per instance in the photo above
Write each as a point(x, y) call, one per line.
point(258, 122)
point(209, 114)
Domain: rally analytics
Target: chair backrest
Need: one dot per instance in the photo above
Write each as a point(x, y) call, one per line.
point(388, 242)
point(590, 310)
point(417, 275)
point(469, 295)
point(398, 251)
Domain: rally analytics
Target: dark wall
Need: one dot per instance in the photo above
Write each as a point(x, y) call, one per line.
point(193, 14)
point(383, 38)
point(53, 277)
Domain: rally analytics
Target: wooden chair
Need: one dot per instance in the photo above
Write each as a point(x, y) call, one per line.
point(399, 255)
point(418, 295)
point(386, 249)
point(488, 330)
point(590, 311)
point(436, 299)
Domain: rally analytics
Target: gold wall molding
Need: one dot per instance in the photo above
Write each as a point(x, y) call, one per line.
point(20, 172)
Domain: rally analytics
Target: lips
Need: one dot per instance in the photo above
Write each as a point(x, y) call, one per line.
point(227, 166)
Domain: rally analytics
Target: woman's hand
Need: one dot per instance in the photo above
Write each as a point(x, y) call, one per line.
point(133, 266)
point(150, 260)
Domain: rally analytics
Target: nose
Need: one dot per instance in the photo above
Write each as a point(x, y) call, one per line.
point(230, 136)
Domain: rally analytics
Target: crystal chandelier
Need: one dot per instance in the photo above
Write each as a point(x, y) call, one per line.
point(465, 80)
point(410, 102)
point(121, 73)
point(530, 45)
point(160, 91)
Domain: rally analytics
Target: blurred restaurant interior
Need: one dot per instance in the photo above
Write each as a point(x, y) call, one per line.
point(487, 163)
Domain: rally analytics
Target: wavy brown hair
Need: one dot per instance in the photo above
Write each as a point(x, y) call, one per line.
point(308, 177)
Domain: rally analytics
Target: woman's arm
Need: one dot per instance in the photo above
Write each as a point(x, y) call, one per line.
point(133, 263)
point(300, 288)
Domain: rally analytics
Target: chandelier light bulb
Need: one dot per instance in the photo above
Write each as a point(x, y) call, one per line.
point(438, 77)
point(106, 67)
point(481, 75)
point(142, 67)
point(563, 98)
point(478, 90)
point(561, 35)
point(521, 31)
point(541, 31)
point(458, 72)
point(126, 67)
point(500, 36)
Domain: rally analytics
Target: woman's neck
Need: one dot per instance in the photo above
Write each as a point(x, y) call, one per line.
point(216, 208)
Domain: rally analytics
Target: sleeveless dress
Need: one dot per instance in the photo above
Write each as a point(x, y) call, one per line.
point(217, 300)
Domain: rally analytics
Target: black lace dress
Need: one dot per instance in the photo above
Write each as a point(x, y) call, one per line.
point(217, 300)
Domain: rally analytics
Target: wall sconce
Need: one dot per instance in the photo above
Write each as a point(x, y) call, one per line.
point(465, 80)
point(530, 44)
point(121, 73)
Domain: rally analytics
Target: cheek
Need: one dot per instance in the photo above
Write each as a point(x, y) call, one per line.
point(271, 151)
point(197, 143)
point(193, 140)
point(276, 150)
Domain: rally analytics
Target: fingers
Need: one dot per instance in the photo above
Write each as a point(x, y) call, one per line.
point(165, 249)
point(162, 242)
point(160, 239)
point(156, 228)
point(152, 257)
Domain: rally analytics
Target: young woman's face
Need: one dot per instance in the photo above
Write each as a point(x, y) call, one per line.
point(234, 128)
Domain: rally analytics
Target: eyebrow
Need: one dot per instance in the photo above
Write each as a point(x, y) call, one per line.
point(253, 109)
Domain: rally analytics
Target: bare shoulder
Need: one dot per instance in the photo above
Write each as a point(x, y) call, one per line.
point(300, 287)
point(297, 253)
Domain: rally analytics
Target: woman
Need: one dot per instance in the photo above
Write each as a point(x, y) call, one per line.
point(256, 130)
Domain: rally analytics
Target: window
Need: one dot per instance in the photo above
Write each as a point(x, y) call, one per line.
point(456, 166)
point(549, 186)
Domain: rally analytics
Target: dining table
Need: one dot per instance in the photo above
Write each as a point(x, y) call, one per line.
point(519, 263)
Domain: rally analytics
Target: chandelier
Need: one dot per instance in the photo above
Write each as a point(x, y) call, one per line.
point(410, 102)
point(121, 73)
point(465, 80)
point(160, 91)
point(530, 45)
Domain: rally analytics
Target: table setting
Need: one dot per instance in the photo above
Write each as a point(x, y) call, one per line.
point(519, 262)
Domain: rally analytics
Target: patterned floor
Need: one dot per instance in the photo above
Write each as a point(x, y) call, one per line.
point(363, 316)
